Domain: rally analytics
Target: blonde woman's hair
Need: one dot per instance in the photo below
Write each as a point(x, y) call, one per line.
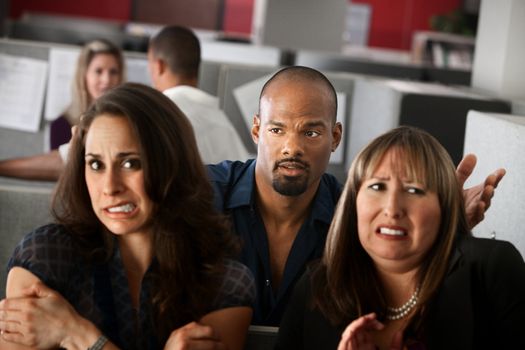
point(80, 99)
point(347, 285)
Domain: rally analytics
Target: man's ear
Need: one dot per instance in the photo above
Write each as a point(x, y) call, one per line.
point(256, 128)
point(160, 66)
point(337, 134)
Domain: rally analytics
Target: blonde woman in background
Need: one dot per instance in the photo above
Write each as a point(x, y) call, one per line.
point(100, 67)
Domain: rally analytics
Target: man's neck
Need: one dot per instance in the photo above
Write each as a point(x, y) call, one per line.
point(172, 80)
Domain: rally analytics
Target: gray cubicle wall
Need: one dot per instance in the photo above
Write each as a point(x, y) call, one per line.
point(233, 76)
point(22, 209)
point(382, 68)
point(209, 77)
point(498, 140)
point(343, 63)
point(381, 105)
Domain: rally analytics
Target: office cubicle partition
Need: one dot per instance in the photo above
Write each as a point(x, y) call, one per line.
point(498, 140)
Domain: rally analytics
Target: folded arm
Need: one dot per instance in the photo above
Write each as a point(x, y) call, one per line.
point(35, 316)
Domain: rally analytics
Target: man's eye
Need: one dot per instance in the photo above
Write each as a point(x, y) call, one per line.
point(276, 130)
point(131, 164)
point(311, 133)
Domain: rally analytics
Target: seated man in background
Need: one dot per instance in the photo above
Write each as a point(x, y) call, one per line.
point(174, 58)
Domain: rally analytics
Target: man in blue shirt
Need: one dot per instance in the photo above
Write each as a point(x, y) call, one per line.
point(282, 203)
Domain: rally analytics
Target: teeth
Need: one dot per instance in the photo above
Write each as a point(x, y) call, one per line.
point(391, 232)
point(126, 208)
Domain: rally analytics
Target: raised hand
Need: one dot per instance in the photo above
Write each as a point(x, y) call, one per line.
point(477, 198)
point(357, 335)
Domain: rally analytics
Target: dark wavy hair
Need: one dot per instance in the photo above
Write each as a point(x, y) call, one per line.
point(190, 238)
point(345, 283)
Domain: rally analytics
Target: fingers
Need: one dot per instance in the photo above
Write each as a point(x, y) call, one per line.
point(194, 336)
point(358, 334)
point(465, 168)
point(38, 289)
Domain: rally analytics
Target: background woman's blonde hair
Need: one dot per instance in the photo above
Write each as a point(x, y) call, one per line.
point(80, 99)
point(351, 287)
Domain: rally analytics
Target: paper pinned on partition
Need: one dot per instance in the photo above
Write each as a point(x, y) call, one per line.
point(22, 87)
point(247, 98)
point(62, 65)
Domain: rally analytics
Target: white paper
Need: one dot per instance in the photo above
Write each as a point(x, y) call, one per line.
point(62, 65)
point(247, 98)
point(22, 85)
point(240, 53)
point(137, 69)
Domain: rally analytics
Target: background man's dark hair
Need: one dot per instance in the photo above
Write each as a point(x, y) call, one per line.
point(179, 47)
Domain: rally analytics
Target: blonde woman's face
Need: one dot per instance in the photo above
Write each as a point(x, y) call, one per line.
point(398, 218)
point(102, 74)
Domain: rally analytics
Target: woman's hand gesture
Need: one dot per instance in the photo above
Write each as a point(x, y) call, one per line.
point(358, 335)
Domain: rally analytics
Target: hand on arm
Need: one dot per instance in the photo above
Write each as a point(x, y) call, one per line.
point(477, 198)
point(221, 329)
point(38, 317)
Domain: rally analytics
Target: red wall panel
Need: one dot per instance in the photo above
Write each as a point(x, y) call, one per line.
point(394, 21)
point(114, 9)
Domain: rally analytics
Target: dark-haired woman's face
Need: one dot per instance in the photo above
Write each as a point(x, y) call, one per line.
point(115, 178)
point(398, 218)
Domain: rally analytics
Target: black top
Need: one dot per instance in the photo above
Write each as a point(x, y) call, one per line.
point(100, 293)
point(480, 305)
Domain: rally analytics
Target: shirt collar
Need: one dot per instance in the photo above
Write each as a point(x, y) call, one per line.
point(193, 94)
point(243, 195)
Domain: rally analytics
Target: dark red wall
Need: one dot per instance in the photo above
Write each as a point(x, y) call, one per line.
point(107, 9)
point(391, 26)
point(394, 21)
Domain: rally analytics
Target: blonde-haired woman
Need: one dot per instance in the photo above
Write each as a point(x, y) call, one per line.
point(100, 67)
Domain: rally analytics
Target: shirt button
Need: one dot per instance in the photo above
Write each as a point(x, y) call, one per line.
point(267, 283)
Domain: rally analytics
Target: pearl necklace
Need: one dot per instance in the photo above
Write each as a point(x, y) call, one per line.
point(396, 313)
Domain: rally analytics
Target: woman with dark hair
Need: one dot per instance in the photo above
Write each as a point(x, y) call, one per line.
point(400, 267)
point(137, 255)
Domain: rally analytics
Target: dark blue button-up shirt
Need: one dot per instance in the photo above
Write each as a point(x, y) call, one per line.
point(234, 185)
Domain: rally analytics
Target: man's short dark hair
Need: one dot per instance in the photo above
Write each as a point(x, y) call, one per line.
point(179, 47)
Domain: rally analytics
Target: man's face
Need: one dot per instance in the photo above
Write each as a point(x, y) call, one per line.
point(295, 135)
